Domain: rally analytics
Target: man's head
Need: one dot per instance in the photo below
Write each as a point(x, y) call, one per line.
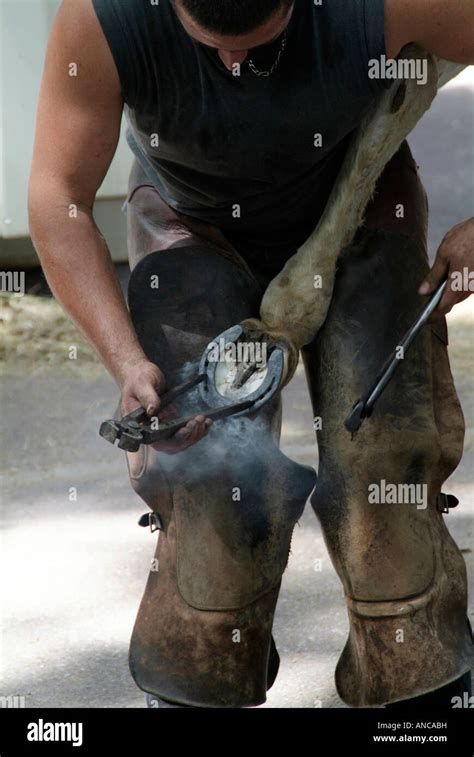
point(234, 27)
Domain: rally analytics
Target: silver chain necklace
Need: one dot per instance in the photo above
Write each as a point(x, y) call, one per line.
point(269, 71)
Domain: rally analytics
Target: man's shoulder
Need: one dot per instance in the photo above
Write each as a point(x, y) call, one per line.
point(137, 9)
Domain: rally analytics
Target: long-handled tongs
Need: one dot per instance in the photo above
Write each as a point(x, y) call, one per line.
point(364, 406)
point(137, 428)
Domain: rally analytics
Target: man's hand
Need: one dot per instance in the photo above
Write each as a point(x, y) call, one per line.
point(454, 259)
point(141, 385)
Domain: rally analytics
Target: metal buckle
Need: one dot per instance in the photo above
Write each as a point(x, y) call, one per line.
point(443, 503)
point(152, 520)
point(155, 522)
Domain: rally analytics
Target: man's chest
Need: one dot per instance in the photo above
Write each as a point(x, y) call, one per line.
point(258, 129)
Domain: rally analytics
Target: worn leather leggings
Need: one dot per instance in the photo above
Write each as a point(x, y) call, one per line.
point(203, 634)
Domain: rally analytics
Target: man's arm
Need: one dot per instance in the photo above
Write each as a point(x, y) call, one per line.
point(77, 131)
point(446, 30)
point(443, 27)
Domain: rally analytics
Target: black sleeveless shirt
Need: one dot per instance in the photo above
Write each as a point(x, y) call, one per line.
point(256, 156)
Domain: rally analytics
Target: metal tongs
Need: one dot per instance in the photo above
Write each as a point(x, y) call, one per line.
point(137, 428)
point(364, 406)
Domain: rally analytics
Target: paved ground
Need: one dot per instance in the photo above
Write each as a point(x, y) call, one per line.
point(76, 569)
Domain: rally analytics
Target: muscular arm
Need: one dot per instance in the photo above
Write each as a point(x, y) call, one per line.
point(443, 27)
point(78, 127)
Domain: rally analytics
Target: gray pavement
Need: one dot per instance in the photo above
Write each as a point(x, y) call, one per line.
point(76, 568)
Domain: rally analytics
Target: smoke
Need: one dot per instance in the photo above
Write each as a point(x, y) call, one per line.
point(241, 468)
point(232, 443)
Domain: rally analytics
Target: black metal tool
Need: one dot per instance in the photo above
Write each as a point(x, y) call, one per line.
point(136, 428)
point(364, 406)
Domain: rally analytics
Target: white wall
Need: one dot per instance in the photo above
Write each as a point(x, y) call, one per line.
point(24, 29)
